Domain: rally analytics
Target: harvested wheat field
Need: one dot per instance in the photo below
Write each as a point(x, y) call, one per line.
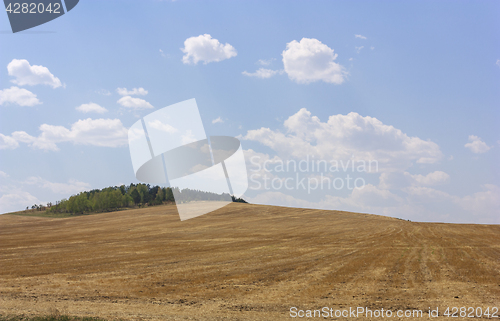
point(243, 262)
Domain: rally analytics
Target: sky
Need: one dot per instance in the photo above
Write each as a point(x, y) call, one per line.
point(411, 86)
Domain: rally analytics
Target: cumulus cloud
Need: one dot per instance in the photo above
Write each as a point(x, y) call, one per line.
point(133, 102)
point(262, 73)
point(350, 137)
point(134, 92)
point(310, 60)
point(206, 49)
point(91, 108)
point(96, 132)
point(25, 74)
point(476, 145)
point(217, 120)
point(498, 62)
point(344, 137)
point(358, 49)
point(360, 37)
point(19, 96)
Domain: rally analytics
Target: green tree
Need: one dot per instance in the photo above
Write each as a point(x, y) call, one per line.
point(136, 197)
point(159, 196)
point(169, 195)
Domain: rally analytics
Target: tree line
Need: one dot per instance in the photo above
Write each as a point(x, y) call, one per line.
point(115, 198)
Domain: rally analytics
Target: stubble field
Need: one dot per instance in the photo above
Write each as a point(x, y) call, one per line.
point(242, 262)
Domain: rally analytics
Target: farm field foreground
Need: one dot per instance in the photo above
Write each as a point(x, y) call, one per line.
point(243, 262)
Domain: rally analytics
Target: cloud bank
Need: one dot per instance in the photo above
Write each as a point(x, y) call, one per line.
point(95, 132)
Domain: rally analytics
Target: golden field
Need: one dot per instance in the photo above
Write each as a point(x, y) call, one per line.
point(242, 262)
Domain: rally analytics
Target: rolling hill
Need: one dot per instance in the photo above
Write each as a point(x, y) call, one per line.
point(242, 262)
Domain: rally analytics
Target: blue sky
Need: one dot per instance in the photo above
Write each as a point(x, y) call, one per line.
point(429, 69)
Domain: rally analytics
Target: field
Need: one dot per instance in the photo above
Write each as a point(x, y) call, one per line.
point(242, 262)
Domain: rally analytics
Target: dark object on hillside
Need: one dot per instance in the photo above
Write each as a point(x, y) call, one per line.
point(238, 200)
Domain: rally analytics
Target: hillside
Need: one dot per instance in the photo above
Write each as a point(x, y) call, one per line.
point(242, 262)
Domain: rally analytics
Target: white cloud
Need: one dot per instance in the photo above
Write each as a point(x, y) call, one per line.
point(262, 73)
point(498, 62)
point(371, 48)
point(157, 124)
point(257, 162)
point(265, 62)
point(19, 96)
point(132, 102)
point(91, 108)
point(434, 178)
point(418, 203)
point(72, 187)
point(17, 201)
point(26, 74)
point(360, 37)
point(162, 53)
point(480, 207)
point(17, 193)
point(206, 49)
point(368, 199)
point(476, 145)
point(353, 137)
point(135, 91)
point(96, 132)
point(358, 49)
point(343, 136)
point(371, 196)
point(486, 202)
point(399, 180)
point(7, 142)
point(310, 60)
point(3, 174)
point(217, 120)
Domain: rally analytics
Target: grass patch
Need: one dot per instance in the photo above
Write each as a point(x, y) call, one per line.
point(60, 215)
point(43, 214)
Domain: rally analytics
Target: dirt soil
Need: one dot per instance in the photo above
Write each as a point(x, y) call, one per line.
point(243, 262)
